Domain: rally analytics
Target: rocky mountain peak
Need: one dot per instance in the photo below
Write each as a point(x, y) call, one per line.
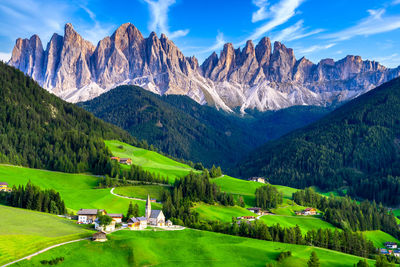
point(252, 76)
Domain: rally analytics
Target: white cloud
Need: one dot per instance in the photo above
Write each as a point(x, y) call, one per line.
point(97, 32)
point(277, 14)
point(219, 43)
point(314, 48)
point(375, 23)
point(391, 61)
point(5, 56)
point(159, 15)
point(294, 32)
point(396, 2)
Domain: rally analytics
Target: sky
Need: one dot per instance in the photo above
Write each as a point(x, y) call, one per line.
point(315, 29)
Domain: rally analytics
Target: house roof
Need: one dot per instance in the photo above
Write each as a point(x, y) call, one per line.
point(155, 213)
point(137, 219)
point(115, 215)
point(255, 208)
point(100, 234)
point(124, 159)
point(88, 211)
point(3, 183)
point(390, 243)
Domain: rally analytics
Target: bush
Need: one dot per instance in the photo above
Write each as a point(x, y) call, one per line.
point(53, 261)
point(283, 255)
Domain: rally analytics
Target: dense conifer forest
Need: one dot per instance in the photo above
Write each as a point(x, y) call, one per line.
point(356, 147)
point(182, 128)
point(39, 130)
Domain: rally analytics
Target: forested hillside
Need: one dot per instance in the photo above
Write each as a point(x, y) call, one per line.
point(39, 130)
point(355, 147)
point(182, 128)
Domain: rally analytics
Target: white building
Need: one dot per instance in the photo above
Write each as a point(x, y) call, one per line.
point(107, 228)
point(154, 217)
point(137, 223)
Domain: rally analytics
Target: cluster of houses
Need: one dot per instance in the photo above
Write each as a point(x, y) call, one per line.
point(307, 211)
point(255, 210)
point(390, 249)
point(126, 161)
point(4, 187)
point(151, 218)
point(257, 179)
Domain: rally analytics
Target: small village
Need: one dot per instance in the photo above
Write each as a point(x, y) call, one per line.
point(152, 218)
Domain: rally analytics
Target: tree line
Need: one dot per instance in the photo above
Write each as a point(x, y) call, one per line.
point(268, 197)
point(347, 214)
point(32, 197)
point(343, 241)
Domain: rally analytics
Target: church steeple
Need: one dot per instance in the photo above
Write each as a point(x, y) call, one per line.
point(148, 207)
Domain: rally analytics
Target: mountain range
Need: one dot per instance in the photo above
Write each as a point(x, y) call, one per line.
point(258, 76)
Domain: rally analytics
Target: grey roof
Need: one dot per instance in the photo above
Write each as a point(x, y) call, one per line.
point(3, 183)
point(88, 211)
point(255, 208)
point(154, 213)
point(137, 219)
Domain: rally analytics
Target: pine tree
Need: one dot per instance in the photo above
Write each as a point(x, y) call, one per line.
point(241, 202)
point(136, 210)
point(129, 214)
point(363, 263)
point(313, 261)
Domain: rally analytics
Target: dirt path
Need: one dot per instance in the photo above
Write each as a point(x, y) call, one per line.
point(44, 250)
point(133, 198)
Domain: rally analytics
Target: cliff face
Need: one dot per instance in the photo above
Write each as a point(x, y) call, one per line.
point(253, 77)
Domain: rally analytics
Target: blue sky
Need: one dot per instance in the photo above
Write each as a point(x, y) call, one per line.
point(315, 29)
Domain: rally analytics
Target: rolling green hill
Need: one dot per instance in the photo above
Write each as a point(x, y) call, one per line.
point(182, 128)
point(40, 130)
point(77, 190)
point(379, 238)
point(23, 232)
point(186, 248)
point(356, 146)
point(149, 160)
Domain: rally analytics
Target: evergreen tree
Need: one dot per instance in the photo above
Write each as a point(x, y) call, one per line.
point(363, 263)
point(130, 212)
point(136, 210)
point(313, 261)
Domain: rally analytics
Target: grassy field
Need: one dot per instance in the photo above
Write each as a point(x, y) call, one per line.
point(77, 190)
point(219, 212)
point(149, 160)
point(23, 232)
point(247, 189)
point(379, 237)
point(185, 248)
point(304, 222)
point(141, 191)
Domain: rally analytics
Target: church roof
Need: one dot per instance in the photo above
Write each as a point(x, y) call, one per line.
point(155, 213)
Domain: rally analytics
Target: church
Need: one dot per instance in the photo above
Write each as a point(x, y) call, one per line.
point(154, 217)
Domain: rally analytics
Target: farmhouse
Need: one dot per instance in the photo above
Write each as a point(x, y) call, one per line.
point(396, 253)
point(307, 211)
point(115, 158)
point(154, 217)
point(168, 223)
point(138, 223)
point(257, 179)
point(250, 218)
point(256, 210)
point(88, 216)
point(116, 217)
point(390, 245)
point(126, 161)
point(4, 187)
point(99, 236)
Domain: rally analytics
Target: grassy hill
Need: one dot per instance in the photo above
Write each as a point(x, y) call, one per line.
point(219, 212)
point(141, 191)
point(356, 146)
point(379, 237)
point(149, 160)
point(305, 223)
point(185, 129)
point(23, 232)
point(77, 190)
point(186, 248)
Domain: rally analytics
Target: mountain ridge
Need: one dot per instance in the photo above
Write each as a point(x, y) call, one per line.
point(262, 76)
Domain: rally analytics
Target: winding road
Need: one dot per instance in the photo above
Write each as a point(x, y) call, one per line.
point(44, 250)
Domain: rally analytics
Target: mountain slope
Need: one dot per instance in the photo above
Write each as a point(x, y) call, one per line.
point(42, 131)
point(355, 146)
point(180, 127)
point(262, 76)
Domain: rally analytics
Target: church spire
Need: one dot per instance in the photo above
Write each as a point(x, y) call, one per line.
point(148, 207)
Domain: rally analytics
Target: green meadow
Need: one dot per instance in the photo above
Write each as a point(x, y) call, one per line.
point(219, 212)
point(379, 237)
point(305, 223)
point(141, 191)
point(77, 190)
point(185, 248)
point(23, 232)
point(149, 160)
